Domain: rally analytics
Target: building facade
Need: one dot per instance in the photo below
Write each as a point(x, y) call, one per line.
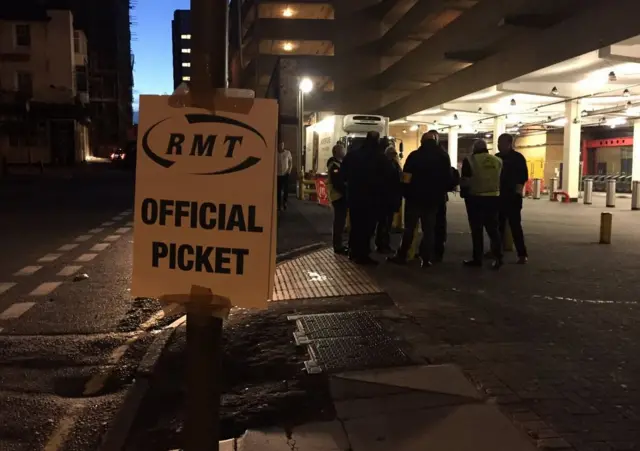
point(181, 38)
point(44, 92)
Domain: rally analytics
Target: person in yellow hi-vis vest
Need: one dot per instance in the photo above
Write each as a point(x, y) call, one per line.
point(337, 195)
point(480, 188)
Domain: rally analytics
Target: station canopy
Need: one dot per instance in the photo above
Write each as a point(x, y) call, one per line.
point(605, 81)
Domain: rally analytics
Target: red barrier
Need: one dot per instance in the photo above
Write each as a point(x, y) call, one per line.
point(321, 191)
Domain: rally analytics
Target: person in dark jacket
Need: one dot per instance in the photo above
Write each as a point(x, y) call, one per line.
point(336, 190)
point(426, 179)
point(515, 175)
point(363, 172)
point(391, 200)
point(440, 228)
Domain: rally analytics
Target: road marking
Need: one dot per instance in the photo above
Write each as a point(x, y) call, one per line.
point(1, 329)
point(45, 288)
point(49, 258)
point(16, 310)
point(96, 230)
point(63, 429)
point(28, 270)
point(117, 218)
point(99, 247)
point(123, 229)
point(126, 212)
point(67, 247)
point(69, 270)
point(6, 286)
point(107, 224)
point(84, 238)
point(112, 238)
point(130, 224)
point(97, 381)
point(86, 257)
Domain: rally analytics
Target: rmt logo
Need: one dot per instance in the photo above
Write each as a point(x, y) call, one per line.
point(230, 136)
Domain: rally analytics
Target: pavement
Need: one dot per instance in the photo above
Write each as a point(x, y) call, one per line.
point(71, 336)
point(551, 344)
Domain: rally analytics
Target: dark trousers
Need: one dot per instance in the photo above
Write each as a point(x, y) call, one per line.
point(339, 221)
point(440, 233)
point(511, 212)
point(363, 224)
point(283, 190)
point(483, 214)
point(426, 214)
point(383, 231)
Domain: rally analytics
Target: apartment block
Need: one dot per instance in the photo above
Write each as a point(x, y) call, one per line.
point(44, 92)
point(181, 38)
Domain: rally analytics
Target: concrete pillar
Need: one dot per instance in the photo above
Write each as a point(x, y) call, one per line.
point(571, 151)
point(499, 127)
point(635, 161)
point(452, 146)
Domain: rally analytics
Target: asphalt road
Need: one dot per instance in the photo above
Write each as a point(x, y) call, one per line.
point(69, 344)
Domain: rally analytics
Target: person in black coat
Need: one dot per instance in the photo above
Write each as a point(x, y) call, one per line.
point(426, 179)
point(391, 200)
point(363, 170)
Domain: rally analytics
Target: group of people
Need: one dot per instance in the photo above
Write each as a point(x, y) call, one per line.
point(369, 184)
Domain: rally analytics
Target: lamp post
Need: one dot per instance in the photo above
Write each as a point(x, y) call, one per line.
point(305, 87)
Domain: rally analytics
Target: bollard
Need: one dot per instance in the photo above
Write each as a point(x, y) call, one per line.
point(611, 193)
point(606, 224)
point(553, 189)
point(537, 188)
point(588, 192)
point(635, 195)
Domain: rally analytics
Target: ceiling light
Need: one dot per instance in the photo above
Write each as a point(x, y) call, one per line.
point(616, 121)
point(629, 104)
point(548, 118)
point(559, 122)
point(626, 93)
point(455, 117)
point(535, 111)
point(584, 113)
point(520, 124)
point(602, 120)
point(414, 128)
point(513, 102)
point(479, 109)
point(488, 135)
point(288, 12)
point(287, 46)
point(555, 91)
point(404, 131)
point(612, 77)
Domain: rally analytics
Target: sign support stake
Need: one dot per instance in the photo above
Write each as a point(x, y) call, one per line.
point(204, 329)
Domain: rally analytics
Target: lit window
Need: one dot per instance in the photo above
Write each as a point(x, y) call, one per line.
point(186, 64)
point(185, 36)
point(287, 46)
point(287, 12)
point(186, 50)
point(186, 78)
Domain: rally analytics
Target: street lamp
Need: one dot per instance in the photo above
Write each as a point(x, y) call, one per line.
point(305, 87)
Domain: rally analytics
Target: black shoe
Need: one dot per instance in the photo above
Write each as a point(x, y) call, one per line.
point(424, 264)
point(472, 263)
point(522, 260)
point(497, 264)
point(398, 260)
point(365, 261)
point(343, 250)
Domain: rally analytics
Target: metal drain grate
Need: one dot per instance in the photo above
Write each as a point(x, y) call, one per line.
point(335, 325)
point(346, 341)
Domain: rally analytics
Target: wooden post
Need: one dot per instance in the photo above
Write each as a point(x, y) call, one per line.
point(204, 330)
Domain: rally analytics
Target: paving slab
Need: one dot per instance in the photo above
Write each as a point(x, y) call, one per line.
point(445, 379)
point(458, 428)
point(322, 436)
